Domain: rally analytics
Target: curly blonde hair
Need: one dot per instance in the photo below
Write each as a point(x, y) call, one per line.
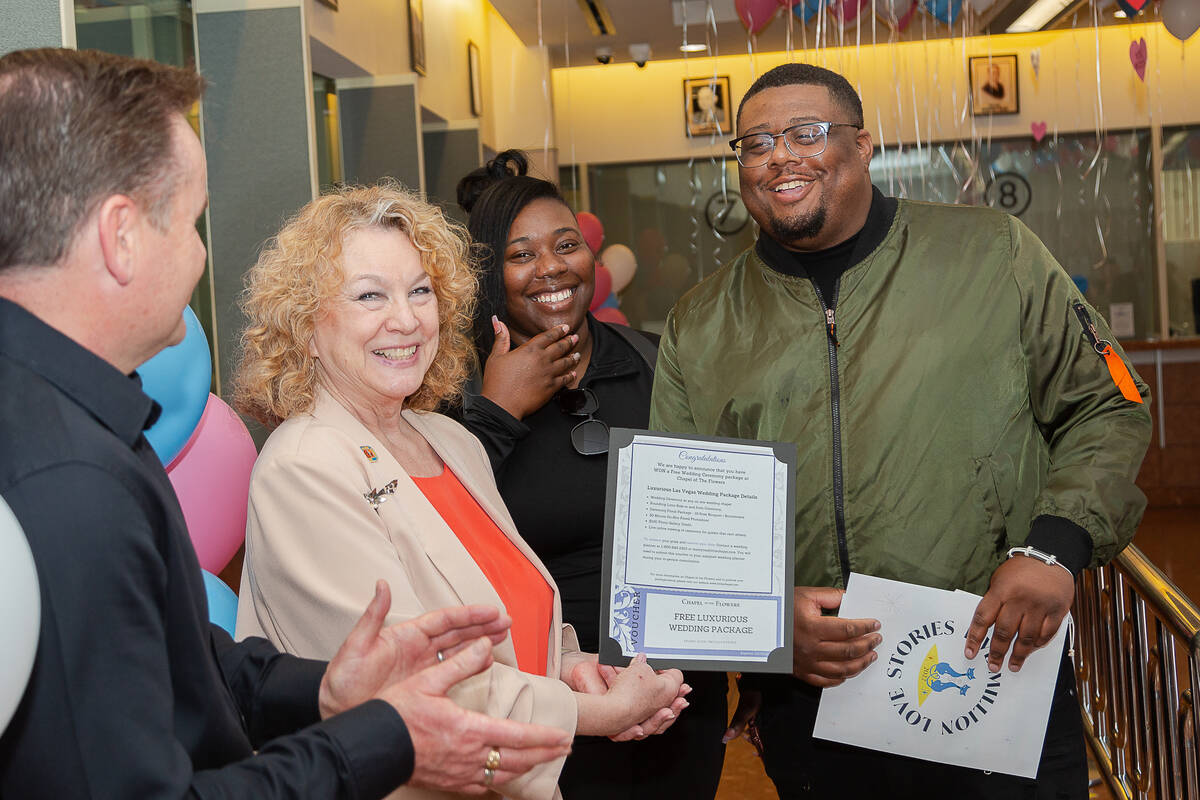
point(300, 269)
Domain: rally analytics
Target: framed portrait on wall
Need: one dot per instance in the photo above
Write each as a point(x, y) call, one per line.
point(476, 78)
point(994, 85)
point(706, 106)
point(416, 34)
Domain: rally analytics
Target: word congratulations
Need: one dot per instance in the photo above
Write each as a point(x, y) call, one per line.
point(685, 455)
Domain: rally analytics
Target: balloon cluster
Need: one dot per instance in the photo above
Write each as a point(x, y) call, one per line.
point(757, 14)
point(205, 447)
point(615, 266)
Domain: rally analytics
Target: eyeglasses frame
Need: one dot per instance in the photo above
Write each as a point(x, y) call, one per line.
point(824, 126)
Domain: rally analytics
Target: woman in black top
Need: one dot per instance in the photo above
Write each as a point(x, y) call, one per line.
point(547, 361)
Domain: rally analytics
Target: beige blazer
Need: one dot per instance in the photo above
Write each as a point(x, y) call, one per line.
point(315, 547)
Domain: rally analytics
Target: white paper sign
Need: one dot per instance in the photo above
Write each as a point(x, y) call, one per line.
point(923, 698)
point(1120, 320)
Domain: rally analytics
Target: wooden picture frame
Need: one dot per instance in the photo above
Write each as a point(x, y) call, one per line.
point(994, 85)
point(416, 34)
point(474, 70)
point(706, 106)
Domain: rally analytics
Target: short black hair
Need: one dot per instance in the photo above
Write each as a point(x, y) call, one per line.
point(77, 126)
point(809, 75)
point(494, 195)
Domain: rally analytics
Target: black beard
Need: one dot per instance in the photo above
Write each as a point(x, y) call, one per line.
point(807, 226)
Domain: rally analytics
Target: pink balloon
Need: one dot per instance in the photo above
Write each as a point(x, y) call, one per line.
point(592, 230)
point(604, 282)
point(612, 315)
point(211, 476)
point(756, 14)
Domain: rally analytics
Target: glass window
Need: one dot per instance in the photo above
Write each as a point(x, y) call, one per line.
point(328, 128)
point(1091, 205)
point(682, 220)
point(1181, 228)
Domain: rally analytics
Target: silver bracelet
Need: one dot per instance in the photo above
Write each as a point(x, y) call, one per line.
point(1045, 558)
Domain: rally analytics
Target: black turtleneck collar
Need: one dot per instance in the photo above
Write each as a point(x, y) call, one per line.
point(825, 267)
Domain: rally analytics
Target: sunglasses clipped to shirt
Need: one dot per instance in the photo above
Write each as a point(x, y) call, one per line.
point(590, 437)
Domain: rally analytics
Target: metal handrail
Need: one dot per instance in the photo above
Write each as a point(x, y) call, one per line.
point(1139, 707)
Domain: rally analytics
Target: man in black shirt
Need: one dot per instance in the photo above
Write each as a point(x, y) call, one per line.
point(133, 692)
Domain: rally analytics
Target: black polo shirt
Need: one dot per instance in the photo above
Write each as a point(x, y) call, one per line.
point(133, 693)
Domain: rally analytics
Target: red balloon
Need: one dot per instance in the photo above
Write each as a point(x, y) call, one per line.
point(592, 230)
point(756, 14)
point(603, 287)
point(612, 315)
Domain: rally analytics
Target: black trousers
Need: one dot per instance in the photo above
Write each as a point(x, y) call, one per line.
point(682, 764)
point(804, 767)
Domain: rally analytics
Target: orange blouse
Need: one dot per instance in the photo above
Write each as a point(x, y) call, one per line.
point(526, 595)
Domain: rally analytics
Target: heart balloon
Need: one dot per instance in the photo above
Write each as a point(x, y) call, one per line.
point(1181, 18)
point(1039, 131)
point(1137, 56)
point(1131, 7)
point(756, 14)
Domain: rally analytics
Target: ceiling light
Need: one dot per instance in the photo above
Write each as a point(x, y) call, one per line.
point(693, 48)
point(1038, 15)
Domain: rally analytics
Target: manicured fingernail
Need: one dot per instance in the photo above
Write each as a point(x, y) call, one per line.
point(495, 323)
point(684, 703)
point(876, 641)
point(728, 737)
point(875, 627)
point(574, 337)
point(874, 656)
point(565, 328)
point(970, 652)
point(685, 689)
point(1014, 667)
point(576, 356)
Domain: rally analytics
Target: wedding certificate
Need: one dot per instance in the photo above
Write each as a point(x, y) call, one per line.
point(698, 552)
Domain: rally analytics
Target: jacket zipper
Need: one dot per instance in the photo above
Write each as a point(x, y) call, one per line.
point(839, 510)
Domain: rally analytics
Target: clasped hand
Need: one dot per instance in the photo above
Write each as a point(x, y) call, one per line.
point(627, 693)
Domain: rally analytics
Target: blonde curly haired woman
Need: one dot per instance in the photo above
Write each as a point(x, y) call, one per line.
point(359, 312)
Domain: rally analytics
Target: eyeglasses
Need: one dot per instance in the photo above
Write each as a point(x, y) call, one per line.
point(590, 437)
point(805, 140)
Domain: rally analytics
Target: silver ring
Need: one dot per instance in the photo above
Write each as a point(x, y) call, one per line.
point(440, 656)
point(493, 759)
point(489, 775)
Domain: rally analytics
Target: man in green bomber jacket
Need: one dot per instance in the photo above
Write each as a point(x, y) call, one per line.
point(945, 384)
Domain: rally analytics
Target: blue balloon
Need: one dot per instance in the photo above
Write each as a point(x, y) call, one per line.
point(946, 11)
point(1081, 283)
point(808, 9)
point(222, 602)
point(179, 378)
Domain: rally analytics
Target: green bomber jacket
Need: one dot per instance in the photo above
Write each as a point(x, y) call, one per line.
point(955, 397)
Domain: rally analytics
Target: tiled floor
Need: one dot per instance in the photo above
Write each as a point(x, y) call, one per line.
point(1170, 537)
